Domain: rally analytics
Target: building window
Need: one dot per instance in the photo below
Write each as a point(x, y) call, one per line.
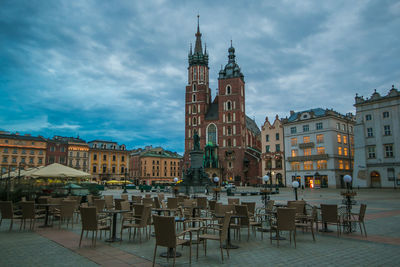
point(341, 164)
point(320, 138)
point(295, 152)
point(267, 138)
point(371, 152)
point(345, 151)
point(104, 168)
point(308, 165)
point(194, 110)
point(5, 159)
point(277, 147)
point(293, 130)
point(306, 128)
point(293, 141)
point(370, 132)
point(387, 130)
point(40, 160)
point(320, 150)
point(337, 126)
point(322, 164)
point(307, 152)
point(386, 114)
point(295, 166)
point(344, 139)
point(228, 105)
point(194, 87)
point(278, 164)
point(212, 134)
point(15, 151)
point(277, 136)
point(14, 160)
point(390, 174)
point(228, 90)
point(5, 150)
point(94, 156)
point(23, 151)
point(113, 158)
point(319, 126)
point(389, 151)
point(193, 98)
point(339, 150)
point(32, 152)
point(306, 139)
point(123, 170)
point(368, 117)
point(123, 158)
point(94, 169)
point(267, 149)
point(40, 152)
point(339, 138)
point(22, 160)
point(104, 157)
point(347, 165)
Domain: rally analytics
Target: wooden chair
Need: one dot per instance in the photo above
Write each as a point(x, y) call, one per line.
point(221, 237)
point(66, 212)
point(28, 213)
point(358, 218)
point(148, 201)
point(211, 206)
point(7, 212)
point(307, 221)
point(298, 205)
point(166, 236)
point(161, 197)
point(245, 220)
point(233, 201)
point(139, 223)
point(137, 199)
point(285, 221)
point(172, 203)
point(329, 215)
point(91, 223)
point(125, 197)
point(109, 200)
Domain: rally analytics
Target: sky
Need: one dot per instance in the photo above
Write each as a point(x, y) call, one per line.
point(117, 70)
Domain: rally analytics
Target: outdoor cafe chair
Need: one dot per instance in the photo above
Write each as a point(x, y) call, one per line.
point(66, 212)
point(125, 197)
point(329, 215)
point(172, 203)
point(307, 221)
point(148, 201)
point(233, 201)
point(29, 213)
point(139, 224)
point(7, 212)
point(358, 218)
point(221, 237)
point(91, 223)
point(166, 236)
point(117, 202)
point(285, 221)
point(109, 199)
point(244, 220)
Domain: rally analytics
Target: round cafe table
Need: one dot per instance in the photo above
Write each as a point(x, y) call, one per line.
point(46, 219)
point(114, 237)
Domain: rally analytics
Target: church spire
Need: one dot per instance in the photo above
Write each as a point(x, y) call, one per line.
point(198, 48)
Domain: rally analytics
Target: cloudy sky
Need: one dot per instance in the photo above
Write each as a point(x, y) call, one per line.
point(116, 70)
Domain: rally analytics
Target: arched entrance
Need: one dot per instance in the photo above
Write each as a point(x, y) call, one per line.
point(375, 179)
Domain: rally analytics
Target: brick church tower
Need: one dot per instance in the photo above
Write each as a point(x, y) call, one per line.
point(231, 140)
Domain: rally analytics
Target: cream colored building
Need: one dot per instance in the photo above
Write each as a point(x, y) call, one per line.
point(319, 147)
point(21, 151)
point(272, 157)
point(377, 140)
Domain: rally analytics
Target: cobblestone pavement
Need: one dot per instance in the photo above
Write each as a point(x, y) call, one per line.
point(53, 247)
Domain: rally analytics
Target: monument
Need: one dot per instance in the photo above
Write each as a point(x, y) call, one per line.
point(195, 179)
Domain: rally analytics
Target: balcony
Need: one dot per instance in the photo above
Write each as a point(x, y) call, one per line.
point(308, 158)
point(306, 145)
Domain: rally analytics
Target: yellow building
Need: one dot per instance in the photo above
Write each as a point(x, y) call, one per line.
point(108, 160)
point(23, 151)
point(159, 166)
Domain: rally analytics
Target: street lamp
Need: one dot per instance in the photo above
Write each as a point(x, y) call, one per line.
point(264, 192)
point(216, 189)
point(295, 185)
point(176, 179)
point(126, 174)
point(348, 201)
point(347, 179)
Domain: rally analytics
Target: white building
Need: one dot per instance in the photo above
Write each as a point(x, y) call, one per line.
point(377, 140)
point(318, 147)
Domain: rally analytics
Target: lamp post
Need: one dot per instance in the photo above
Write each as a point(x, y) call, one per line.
point(126, 174)
point(295, 185)
point(265, 192)
point(348, 201)
point(176, 179)
point(216, 189)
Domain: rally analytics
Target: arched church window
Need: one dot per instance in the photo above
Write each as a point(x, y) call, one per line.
point(194, 73)
point(228, 105)
point(194, 87)
point(229, 117)
point(193, 98)
point(212, 134)
point(194, 110)
point(201, 74)
point(229, 130)
point(194, 121)
point(228, 90)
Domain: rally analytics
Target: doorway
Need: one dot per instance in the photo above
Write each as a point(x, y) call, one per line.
point(375, 179)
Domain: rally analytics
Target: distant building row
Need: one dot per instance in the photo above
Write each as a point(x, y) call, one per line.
point(105, 160)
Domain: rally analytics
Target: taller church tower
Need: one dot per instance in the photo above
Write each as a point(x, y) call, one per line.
point(198, 94)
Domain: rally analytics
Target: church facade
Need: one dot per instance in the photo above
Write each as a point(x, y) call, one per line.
point(230, 139)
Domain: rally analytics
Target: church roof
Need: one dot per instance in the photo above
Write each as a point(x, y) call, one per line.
point(252, 126)
point(198, 57)
point(212, 113)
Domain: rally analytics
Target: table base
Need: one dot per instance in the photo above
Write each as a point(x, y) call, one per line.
point(230, 246)
point(278, 237)
point(113, 239)
point(170, 254)
point(325, 230)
